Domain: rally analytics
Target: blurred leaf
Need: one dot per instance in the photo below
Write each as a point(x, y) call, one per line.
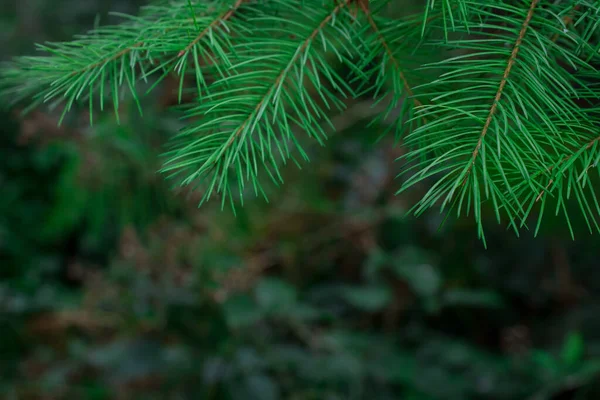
point(549, 365)
point(275, 295)
point(589, 370)
point(240, 311)
point(424, 279)
point(367, 298)
point(284, 357)
point(573, 349)
point(248, 360)
point(394, 367)
point(306, 312)
point(260, 387)
point(70, 200)
point(376, 260)
point(337, 367)
point(214, 370)
point(441, 383)
point(471, 298)
point(97, 391)
point(128, 360)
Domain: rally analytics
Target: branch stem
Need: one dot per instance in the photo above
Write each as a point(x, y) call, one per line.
point(509, 65)
point(282, 75)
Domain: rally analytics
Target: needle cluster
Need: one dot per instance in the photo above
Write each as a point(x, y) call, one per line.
point(496, 102)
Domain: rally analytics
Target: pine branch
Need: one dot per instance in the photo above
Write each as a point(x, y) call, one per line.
point(564, 160)
point(221, 19)
point(498, 96)
point(392, 58)
point(564, 177)
point(246, 120)
point(447, 9)
point(390, 66)
point(107, 59)
point(531, 116)
point(567, 20)
point(498, 102)
point(282, 75)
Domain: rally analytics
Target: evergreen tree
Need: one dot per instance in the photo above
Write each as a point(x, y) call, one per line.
point(495, 101)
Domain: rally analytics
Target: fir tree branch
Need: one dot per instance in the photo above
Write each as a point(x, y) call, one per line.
point(567, 20)
point(392, 58)
point(492, 93)
point(108, 58)
point(446, 9)
point(222, 18)
point(245, 122)
point(282, 75)
point(532, 117)
point(565, 159)
point(511, 61)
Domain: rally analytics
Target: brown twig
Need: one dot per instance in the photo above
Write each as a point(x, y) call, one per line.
point(566, 21)
point(107, 60)
point(565, 159)
point(390, 54)
point(494, 107)
point(284, 72)
point(224, 17)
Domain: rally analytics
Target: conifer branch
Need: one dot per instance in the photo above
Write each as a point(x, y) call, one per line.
point(392, 57)
point(260, 102)
point(565, 159)
point(533, 116)
point(282, 75)
point(222, 18)
point(567, 20)
point(108, 59)
point(511, 61)
point(483, 94)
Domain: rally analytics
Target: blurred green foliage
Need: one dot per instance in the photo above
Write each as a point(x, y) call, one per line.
point(115, 286)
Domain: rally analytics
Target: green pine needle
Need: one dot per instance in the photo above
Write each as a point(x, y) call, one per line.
point(497, 103)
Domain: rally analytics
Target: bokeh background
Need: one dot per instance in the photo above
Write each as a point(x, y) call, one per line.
point(115, 286)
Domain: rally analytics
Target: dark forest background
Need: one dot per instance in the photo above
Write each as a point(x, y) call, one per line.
point(114, 286)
